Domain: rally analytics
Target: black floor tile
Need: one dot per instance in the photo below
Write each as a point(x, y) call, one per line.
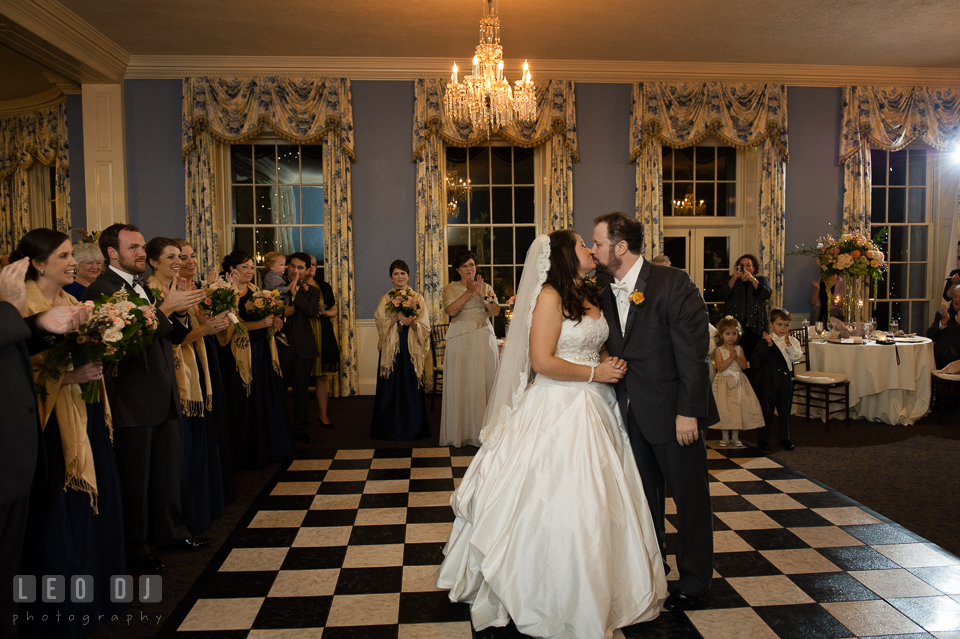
point(946, 579)
point(289, 502)
point(802, 621)
point(731, 503)
point(214, 634)
point(293, 612)
point(669, 625)
point(928, 612)
point(341, 488)
point(718, 524)
point(882, 534)
point(507, 632)
point(229, 585)
point(361, 632)
point(430, 462)
point(431, 485)
point(463, 451)
point(857, 558)
point(772, 539)
point(314, 558)
point(318, 518)
point(803, 518)
point(722, 464)
point(266, 538)
point(826, 587)
point(302, 475)
point(743, 564)
point(369, 581)
point(767, 474)
point(752, 488)
point(383, 474)
point(430, 515)
point(350, 464)
point(722, 595)
point(378, 535)
point(392, 453)
point(385, 500)
point(431, 607)
point(423, 554)
point(828, 499)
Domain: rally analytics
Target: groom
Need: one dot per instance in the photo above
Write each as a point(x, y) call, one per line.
point(665, 397)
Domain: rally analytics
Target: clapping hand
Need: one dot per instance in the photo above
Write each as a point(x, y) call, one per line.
point(64, 319)
point(767, 338)
point(12, 287)
point(178, 301)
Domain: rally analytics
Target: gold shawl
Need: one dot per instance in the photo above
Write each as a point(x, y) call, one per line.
point(69, 407)
point(240, 347)
point(418, 338)
point(189, 363)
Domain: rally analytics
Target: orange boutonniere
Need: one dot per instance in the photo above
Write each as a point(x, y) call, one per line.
point(636, 298)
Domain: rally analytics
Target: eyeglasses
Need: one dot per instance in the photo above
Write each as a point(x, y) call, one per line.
point(97, 262)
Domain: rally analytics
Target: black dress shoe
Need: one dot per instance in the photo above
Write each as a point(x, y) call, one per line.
point(763, 445)
point(148, 565)
point(305, 438)
point(190, 543)
point(322, 425)
point(680, 601)
point(786, 444)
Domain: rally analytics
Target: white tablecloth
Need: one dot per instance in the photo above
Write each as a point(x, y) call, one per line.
point(881, 389)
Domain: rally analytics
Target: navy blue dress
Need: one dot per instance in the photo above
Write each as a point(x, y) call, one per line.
point(65, 537)
point(400, 410)
point(218, 435)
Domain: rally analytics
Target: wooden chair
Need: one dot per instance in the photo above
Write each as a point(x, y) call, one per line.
point(438, 343)
point(818, 389)
point(945, 392)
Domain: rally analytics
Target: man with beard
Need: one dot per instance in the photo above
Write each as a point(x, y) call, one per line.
point(659, 325)
point(148, 433)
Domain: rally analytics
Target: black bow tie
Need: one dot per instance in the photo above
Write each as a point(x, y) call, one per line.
point(141, 281)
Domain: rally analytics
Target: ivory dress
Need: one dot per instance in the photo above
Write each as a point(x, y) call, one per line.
point(469, 369)
point(736, 402)
point(552, 527)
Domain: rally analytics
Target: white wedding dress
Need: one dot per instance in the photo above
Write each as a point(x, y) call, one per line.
point(552, 527)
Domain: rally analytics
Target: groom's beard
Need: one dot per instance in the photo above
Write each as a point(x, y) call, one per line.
point(611, 266)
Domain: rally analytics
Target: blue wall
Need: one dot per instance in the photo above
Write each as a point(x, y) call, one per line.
point(384, 188)
point(814, 184)
point(78, 186)
point(603, 180)
point(155, 172)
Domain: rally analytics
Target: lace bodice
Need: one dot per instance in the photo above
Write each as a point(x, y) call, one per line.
point(734, 367)
point(580, 341)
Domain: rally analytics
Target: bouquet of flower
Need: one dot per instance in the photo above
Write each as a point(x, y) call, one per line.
point(221, 296)
point(851, 254)
point(403, 301)
point(265, 303)
point(490, 297)
point(121, 324)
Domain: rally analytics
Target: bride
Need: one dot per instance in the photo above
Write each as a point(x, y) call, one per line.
point(552, 527)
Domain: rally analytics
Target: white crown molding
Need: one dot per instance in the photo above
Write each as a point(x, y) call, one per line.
point(608, 71)
point(67, 86)
point(11, 108)
point(51, 34)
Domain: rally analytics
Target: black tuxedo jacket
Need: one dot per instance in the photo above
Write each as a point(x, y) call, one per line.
point(298, 329)
point(665, 345)
point(768, 370)
point(20, 440)
point(145, 386)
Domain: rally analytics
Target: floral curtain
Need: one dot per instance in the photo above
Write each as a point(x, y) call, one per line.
point(37, 136)
point(556, 126)
point(742, 115)
point(304, 111)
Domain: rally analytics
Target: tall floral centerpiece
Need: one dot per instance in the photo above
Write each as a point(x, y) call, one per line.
point(854, 256)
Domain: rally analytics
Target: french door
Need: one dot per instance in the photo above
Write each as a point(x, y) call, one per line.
point(708, 256)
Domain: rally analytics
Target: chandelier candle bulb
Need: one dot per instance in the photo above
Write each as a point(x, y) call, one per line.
point(455, 72)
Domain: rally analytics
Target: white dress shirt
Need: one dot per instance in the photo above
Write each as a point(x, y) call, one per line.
point(622, 290)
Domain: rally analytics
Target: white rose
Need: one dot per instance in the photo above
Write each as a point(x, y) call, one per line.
point(112, 335)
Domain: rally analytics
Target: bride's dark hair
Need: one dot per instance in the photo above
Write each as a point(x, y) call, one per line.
point(564, 276)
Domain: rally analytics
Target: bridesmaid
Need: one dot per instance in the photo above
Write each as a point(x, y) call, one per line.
point(399, 409)
point(471, 356)
point(75, 522)
point(328, 364)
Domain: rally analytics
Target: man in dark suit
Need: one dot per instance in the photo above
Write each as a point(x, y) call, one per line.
point(665, 397)
point(20, 438)
point(297, 355)
point(148, 433)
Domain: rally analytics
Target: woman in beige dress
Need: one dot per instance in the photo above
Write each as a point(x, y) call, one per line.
point(470, 358)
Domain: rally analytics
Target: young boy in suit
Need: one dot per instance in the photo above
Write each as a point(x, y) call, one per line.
point(772, 363)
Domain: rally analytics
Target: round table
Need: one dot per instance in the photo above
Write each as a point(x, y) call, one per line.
point(889, 384)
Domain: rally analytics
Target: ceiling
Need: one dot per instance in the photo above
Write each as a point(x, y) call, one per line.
point(920, 34)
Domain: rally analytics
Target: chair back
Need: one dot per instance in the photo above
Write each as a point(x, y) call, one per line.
point(802, 336)
point(438, 339)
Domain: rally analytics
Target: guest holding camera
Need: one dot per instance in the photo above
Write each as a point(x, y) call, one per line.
point(746, 295)
point(945, 331)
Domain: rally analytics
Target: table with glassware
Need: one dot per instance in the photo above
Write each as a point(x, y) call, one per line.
point(889, 382)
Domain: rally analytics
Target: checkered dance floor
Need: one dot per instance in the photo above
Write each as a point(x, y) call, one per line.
point(347, 544)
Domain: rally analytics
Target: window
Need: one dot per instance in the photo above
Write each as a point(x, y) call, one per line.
point(277, 199)
point(899, 204)
point(700, 181)
point(496, 217)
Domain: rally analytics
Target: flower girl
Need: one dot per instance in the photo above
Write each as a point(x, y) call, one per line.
point(736, 401)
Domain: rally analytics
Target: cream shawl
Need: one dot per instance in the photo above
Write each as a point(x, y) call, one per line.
point(418, 337)
point(240, 347)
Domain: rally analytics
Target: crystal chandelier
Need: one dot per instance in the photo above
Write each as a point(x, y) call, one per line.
point(458, 190)
point(484, 98)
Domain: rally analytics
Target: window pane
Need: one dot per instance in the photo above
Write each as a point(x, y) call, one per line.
point(683, 164)
point(480, 205)
point(726, 199)
point(918, 244)
point(897, 203)
point(522, 166)
point(480, 244)
point(706, 166)
point(287, 204)
point(479, 165)
point(882, 312)
point(266, 242)
point(263, 205)
point(898, 312)
point(461, 216)
point(898, 244)
point(525, 236)
point(243, 205)
point(683, 198)
point(676, 249)
point(878, 206)
point(713, 283)
point(503, 245)
point(502, 283)
point(241, 163)
point(667, 163)
point(918, 318)
point(898, 168)
point(523, 205)
point(265, 163)
point(288, 164)
point(667, 198)
point(502, 205)
point(882, 287)
point(311, 164)
point(288, 239)
point(898, 281)
point(917, 205)
point(883, 245)
point(918, 167)
point(726, 163)
point(457, 240)
point(878, 167)
point(500, 165)
point(457, 160)
point(312, 206)
point(243, 240)
point(918, 281)
point(716, 253)
point(706, 201)
point(313, 242)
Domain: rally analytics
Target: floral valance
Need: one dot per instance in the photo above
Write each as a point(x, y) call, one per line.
point(556, 115)
point(680, 115)
point(301, 110)
point(39, 135)
point(893, 117)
